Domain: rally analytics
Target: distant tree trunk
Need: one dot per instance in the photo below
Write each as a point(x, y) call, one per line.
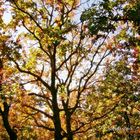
point(130, 137)
point(1, 67)
point(5, 111)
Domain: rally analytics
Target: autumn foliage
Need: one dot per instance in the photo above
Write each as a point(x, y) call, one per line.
point(69, 70)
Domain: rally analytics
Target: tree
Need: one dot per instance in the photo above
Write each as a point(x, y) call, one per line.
point(121, 83)
point(62, 63)
point(5, 106)
point(122, 91)
point(54, 54)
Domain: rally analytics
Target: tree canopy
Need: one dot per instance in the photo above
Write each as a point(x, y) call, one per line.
point(69, 70)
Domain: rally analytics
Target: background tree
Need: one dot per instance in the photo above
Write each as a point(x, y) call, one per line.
point(121, 18)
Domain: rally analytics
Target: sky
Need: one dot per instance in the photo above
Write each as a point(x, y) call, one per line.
point(7, 17)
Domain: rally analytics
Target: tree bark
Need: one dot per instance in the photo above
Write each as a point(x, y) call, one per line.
point(68, 126)
point(12, 134)
point(130, 137)
point(56, 111)
point(56, 118)
point(5, 112)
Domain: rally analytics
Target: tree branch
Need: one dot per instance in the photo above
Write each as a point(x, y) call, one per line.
point(38, 110)
point(30, 73)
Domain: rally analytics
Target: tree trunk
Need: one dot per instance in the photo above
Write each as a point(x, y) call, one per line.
point(12, 134)
point(56, 117)
point(5, 112)
point(57, 125)
point(130, 137)
point(56, 112)
point(68, 126)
